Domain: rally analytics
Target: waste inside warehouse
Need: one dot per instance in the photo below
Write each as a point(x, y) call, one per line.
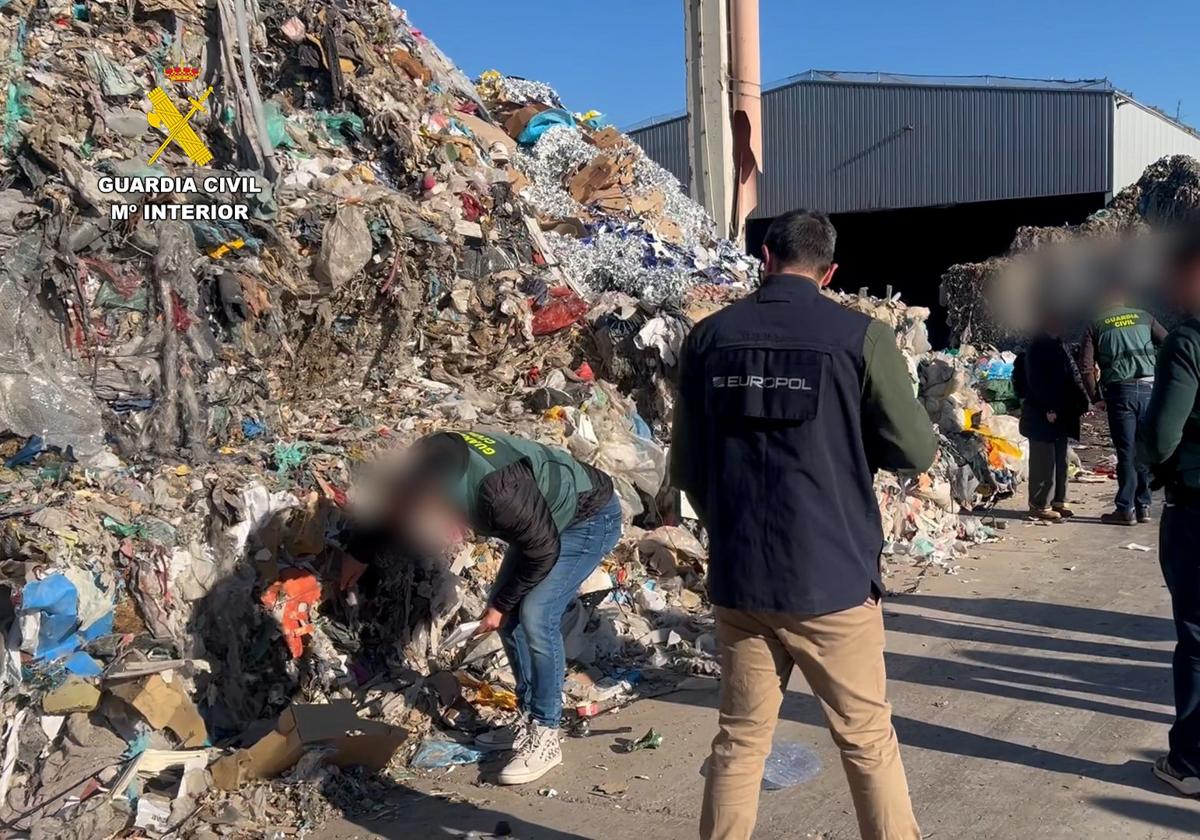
point(991, 303)
point(187, 405)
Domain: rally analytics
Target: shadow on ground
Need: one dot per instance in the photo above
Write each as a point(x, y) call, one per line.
point(393, 811)
point(1173, 817)
point(1104, 687)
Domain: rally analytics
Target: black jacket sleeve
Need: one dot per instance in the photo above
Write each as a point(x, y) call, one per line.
point(687, 432)
point(1087, 365)
point(1158, 333)
point(512, 508)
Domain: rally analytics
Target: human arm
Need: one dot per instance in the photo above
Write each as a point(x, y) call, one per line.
point(512, 508)
point(1176, 381)
point(1087, 365)
point(898, 434)
point(687, 434)
point(1158, 333)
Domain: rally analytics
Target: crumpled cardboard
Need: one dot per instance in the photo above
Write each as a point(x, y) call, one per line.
point(165, 705)
point(336, 727)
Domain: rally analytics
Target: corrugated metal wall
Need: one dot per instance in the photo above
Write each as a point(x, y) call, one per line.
point(667, 143)
point(1142, 136)
point(844, 147)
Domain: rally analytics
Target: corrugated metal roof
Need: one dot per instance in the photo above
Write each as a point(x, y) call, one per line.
point(914, 80)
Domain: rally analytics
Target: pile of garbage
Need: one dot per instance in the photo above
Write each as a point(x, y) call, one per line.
point(989, 303)
point(191, 642)
point(982, 458)
point(186, 403)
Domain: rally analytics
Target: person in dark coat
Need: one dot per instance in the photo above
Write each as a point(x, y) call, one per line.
point(1054, 401)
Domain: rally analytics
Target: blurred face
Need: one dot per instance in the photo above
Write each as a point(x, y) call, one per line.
point(1185, 287)
point(430, 524)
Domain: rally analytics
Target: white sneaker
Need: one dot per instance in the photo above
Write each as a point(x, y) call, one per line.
point(537, 754)
point(504, 737)
point(1187, 785)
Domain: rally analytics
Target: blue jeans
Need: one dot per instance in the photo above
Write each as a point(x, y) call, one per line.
point(1128, 403)
point(1178, 536)
point(532, 633)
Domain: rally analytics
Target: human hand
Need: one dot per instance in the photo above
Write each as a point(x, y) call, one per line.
point(350, 572)
point(1051, 416)
point(491, 620)
point(1100, 405)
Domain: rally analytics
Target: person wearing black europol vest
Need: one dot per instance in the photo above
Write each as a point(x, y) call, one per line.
point(1053, 402)
point(788, 404)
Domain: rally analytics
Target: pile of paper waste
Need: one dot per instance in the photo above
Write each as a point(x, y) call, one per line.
point(193, 376)
point(990, 302)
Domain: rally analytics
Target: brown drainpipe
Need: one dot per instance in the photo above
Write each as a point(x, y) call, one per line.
point(747, 109)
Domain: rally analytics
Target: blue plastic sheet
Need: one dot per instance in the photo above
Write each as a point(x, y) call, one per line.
point(541, 123)
point(436, 754)
point(252, 428)
point(56, 601)
point(32, 448)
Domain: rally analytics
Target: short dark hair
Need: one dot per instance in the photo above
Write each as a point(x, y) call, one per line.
point(802, 237)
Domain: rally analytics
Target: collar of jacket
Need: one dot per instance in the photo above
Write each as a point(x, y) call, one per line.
point(787, 288)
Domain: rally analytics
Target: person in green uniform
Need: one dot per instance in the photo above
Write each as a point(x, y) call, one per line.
point(560, 517)
point(1121, 342)
point(1169, 445)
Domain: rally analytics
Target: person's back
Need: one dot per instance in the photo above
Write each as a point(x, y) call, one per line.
point(1121, 342)
point(794, 502)
point(788, 403)
point(1124, 337)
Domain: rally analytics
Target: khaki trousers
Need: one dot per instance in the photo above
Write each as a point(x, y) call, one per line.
point(841, 656)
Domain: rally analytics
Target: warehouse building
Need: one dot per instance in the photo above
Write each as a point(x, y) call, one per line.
point(920, 173)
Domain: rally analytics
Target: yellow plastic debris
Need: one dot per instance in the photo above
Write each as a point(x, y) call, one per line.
point(221, 250)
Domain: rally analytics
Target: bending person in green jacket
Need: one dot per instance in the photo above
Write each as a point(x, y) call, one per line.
point(559, 517)
point(1169, 446)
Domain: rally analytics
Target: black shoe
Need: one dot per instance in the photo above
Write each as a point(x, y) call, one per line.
point(1119, 517)
point(1143, 516)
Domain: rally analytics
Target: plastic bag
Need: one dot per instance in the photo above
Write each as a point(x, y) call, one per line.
point(345, 247)
point(543, 122)
point(40, 394)
point(559, 313)
point(790, 764)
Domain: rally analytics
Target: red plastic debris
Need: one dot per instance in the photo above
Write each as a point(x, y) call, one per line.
point(297, 592)
point(179, 314)
point(584, 372)
point(533, 375)
point(561, 312)
point(472, 209)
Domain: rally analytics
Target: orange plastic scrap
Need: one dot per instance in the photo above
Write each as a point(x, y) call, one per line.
point(293, 597)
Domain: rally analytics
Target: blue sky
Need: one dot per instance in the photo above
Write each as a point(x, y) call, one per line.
point(625, 57)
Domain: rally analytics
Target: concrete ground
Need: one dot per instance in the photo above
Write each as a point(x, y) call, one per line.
point(1031, 694)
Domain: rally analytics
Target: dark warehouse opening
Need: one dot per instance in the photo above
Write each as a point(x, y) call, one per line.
point(910, 249)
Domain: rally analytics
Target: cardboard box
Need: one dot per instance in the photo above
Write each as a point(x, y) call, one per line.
point(335, 727)
point(165, 705)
